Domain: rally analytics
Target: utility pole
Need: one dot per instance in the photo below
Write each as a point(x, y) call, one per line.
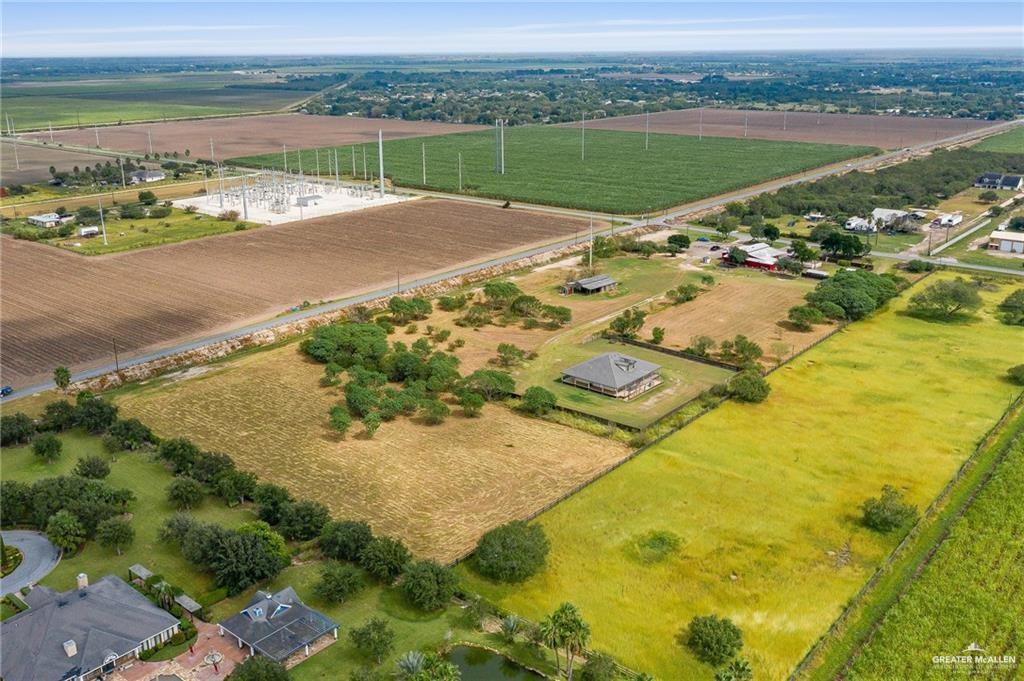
point(503, 147)
point(590, 262)
point(121, 164)
point(353, 162)
point(460, 171)
point(700, 124)
point(423, 158)
point(647, 132)
point(583, 137)
point(317, 152)
point(212, 157)
point(245, 202)
point(284, 152)
point(149, 134)
point(785, 119)
point(17, 163)
point(337, 173)
point(117, 365)
point(365, 176)
point(97, 131)
point(51, 132)
point(380, 157)
point(746, 120)
point(103, 222)
point(220, 169)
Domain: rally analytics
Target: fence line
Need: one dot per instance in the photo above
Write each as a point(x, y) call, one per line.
point(682, 354)
point(926, 517)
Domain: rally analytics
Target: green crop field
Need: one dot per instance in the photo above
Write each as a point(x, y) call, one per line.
point(972, 591)
point(1011, 142)
point(543, 165)
point(67, 103)
point(148, 479)
point(764, 499)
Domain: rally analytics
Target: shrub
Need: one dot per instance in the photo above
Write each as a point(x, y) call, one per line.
point(159, 212)
point(65, 531)
point(338, 581)
point(512, 552)
point(471, 403)
point(434, 411)
point(47, 447)
point(384, 558)
point(92, 467)
point(887, 512)
point(303, 520)
point(375, 639)
point(918, 266)
point(599, 667)
point(1016, 374)
point(804, 317)
point(737, 670)
point(259, 668)
point(1012, 308)
point(749, 386)
point(184, 493)
point(713, 639)
point(657, 335)
point(16, 429)
point(429, 586)
point(538, 401)
point(57, 416)
point(345, 539)
point(131, 434)
point(946, 299)
point(452, 303)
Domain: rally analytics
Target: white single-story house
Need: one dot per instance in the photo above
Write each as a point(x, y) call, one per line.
point(886, 217)
point(1006, 241)
point(999, 181)
point(142, 176)
point(47, 220)
point(814, 217)
point(859, 224)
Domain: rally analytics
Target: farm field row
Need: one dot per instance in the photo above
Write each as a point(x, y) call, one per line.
point(38, 104)
point(972, 591)
point(262, 134)
point(544, 165)
point(887, 132)
point(764, 499)
point(149, 298)
point(33, 162)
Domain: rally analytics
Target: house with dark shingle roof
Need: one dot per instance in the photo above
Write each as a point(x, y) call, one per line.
point(589, 285)
point(614, 374)
point(999, 181)
point(82, 634)
point(278, 625)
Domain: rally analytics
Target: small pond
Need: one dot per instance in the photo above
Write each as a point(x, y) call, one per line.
point(478, 664)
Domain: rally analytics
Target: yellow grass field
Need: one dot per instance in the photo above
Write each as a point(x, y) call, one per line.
point(437, 487)
point(763, 498)
point(748, 303)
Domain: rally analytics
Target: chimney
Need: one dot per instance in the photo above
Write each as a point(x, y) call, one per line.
point(83, 582)
point(70, 649)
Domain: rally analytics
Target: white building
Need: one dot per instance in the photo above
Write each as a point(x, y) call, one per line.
point(1006, 241)
point(886, 217)
point(45, 220)
point(88, 231)
point(859, 224)
point(143, 176)
point(947, 220)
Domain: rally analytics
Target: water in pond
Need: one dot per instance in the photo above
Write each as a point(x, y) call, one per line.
point(477, 664)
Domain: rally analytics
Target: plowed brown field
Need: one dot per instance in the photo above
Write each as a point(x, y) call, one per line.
point(250, 135)
point(63, 308)
point(888, 132)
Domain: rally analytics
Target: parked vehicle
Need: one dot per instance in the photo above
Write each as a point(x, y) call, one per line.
point(6, 390)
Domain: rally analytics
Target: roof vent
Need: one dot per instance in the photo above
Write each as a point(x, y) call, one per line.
point(626, 364)
point(70, 649)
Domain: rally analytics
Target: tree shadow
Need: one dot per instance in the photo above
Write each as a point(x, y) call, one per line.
point(955, 319)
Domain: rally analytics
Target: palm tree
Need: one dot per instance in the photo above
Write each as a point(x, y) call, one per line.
point(574, 633)
point(411, 664)
point(552, 638)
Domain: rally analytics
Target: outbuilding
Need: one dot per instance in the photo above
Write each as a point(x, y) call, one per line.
point(759, 256)
point(1006, 241)
point(44, 220)
point(88, 232)
point(615, 375)
point(144, 176)
point(279, 625)
point(859, 224)
point(588, 285)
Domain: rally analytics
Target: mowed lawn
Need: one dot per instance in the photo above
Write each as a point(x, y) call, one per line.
point(1011, 142)
point(148, 479)
point(764, 497)
point(973, 590)
point(544, 165)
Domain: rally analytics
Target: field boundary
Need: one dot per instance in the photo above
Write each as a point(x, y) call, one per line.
point(682, 354)
point(931, 519)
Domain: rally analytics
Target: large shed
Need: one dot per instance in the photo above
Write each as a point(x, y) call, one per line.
point(614, 374)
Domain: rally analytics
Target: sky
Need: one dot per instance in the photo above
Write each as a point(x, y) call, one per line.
point(81, 29)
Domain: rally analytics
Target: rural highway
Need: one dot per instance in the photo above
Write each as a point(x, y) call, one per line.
point(672, 214)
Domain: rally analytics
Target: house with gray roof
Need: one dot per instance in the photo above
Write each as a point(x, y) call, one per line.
point(589, 285)
point(82, 634)
point(278, 625)
point(614, 374)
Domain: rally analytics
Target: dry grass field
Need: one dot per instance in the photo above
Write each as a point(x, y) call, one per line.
point(888, 132)
point(249, 135)
point(63, 308)
point(33, 163)
point(741, 302)
point(437, 487)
